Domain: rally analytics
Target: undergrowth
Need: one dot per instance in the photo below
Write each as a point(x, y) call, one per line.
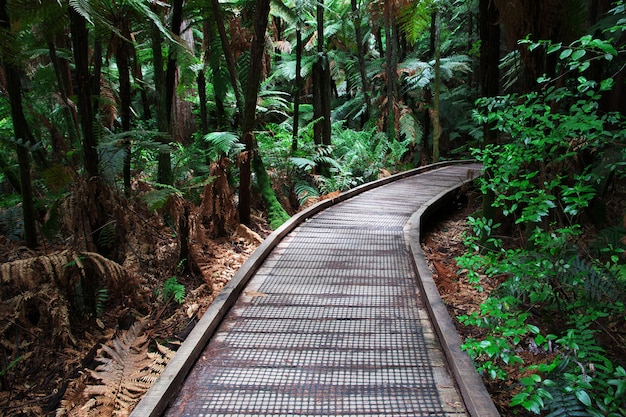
point(559, 299)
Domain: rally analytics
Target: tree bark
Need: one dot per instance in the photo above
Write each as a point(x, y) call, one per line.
point(261, 17)
point(321, 86)
point(361, 58)
point(228, 53)
point(80, 48)
point(164, 170)
point(437, 88)
point(489, 78)
point(122, 60)
point(297, 91)
point(170, 75)
point(391, 58)
point(68, 113)
point(22, 135)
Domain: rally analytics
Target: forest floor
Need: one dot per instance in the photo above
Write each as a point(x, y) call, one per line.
point(442, 243)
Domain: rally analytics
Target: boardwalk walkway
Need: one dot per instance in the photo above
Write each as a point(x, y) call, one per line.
point(331, 323)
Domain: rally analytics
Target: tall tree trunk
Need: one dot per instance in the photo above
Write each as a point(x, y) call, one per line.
point(321, 85)
point(164, 170)
point(261, 17)
point(204, 117)
point(361, 57)
point(170, 74)
point(391, 58)
point(437, 88)
point(22, 134)
point(297, 91)
point(122, 60)
point(68, 114)
point(80, 47)
point(228, 54)
point(489, 76)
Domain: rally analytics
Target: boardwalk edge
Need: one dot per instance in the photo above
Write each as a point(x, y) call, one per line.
point(155, 402)
point(477, 400)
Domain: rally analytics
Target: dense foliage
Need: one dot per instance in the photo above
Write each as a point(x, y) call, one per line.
point(557, 177)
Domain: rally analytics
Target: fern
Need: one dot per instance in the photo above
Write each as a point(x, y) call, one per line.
point(127, 369)
point(415, 19)
point(173, 290)
point(610, 238)
point(102, 296)
point(304, 191)
point(565, 404)
point(107, 236)
point(224, 143)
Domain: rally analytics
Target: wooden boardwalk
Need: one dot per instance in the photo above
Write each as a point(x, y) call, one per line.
point(332, 317)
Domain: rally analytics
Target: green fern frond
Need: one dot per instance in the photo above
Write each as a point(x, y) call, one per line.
point(415, 19)
point(173, 290)
point(107, 236)
point(224, 142)
point(102, 296)
point(305, 164)
point(304, 191)
point(565, 404)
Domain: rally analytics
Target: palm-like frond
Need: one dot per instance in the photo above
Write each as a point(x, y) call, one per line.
point(415, 18)
point(224, 143)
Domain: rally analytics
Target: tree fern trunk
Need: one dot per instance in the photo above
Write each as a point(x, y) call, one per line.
point(437, 88)
point(297, 91)
point(123, 69)
point(321, 85)
point(261, 17)
point(164, 170)
point(69, 116)
point(228, 53)
point(361, 58)
point(489, 80)
point(80, 49)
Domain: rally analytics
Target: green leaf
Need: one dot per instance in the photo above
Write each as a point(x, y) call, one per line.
point(553, 48)
point(583, 397)
point(577, 54)
point(566, 53)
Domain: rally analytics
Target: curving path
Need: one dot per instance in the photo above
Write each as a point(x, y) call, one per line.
point(334, 315)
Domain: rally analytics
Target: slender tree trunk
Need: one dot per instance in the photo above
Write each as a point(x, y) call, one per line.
point(204, 116)
point(261, 17)
point(22, 135)
point(489, 77)
point(361, 57)
point(80, 47)
point(297, 92)
point(68, 114)
point(164, 170)
point(122, 58)
point(228, 54)
point(437, 88)
point(391, 58)
point(170, 74)
point(138, 76)
point(321, 85)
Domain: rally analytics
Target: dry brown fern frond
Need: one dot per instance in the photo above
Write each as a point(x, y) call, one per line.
point(127, 369)
point(59, 267)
